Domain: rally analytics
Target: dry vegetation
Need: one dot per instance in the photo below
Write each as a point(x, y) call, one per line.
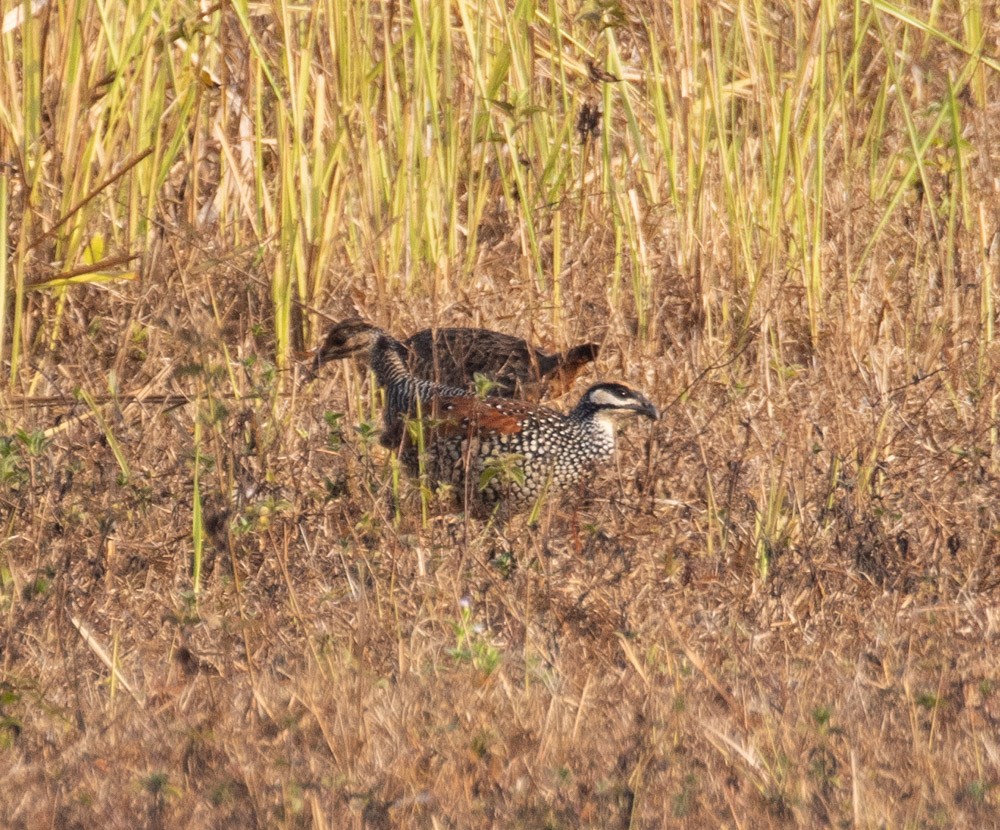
point(781, 609)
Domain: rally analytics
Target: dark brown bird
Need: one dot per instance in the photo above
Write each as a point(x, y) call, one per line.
point(455, 356)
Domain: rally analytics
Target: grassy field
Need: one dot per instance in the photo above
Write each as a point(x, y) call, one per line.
point(222, 603)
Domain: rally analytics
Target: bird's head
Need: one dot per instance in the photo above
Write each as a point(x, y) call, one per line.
point(606, 403)
point(347, 338)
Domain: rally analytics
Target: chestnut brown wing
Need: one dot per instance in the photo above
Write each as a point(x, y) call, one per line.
point(466, 416)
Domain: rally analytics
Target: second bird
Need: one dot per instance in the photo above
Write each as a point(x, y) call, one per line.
point(454, 356)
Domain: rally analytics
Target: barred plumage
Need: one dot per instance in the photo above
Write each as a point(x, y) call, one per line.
point(454, 356)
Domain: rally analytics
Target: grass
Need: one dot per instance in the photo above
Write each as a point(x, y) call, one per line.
point(223, 605)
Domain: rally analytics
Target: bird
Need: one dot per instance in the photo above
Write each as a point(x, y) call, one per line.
point(502, 450)
point(514, 453)
point(455, 356)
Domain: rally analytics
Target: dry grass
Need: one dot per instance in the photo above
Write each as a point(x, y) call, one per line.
point(779, 610)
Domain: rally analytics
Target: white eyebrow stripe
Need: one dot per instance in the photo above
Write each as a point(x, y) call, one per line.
point(605, 397)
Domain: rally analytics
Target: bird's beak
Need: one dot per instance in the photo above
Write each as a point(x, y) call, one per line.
point(647, 409)
point(326, 352)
